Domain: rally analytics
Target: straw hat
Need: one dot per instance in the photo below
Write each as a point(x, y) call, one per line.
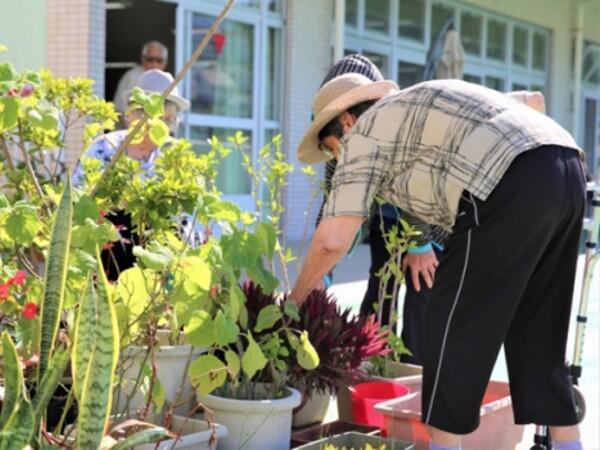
point(333, 98)
point(156, 81)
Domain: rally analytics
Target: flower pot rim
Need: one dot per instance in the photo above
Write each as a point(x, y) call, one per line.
point(166, 350)
point(232, 404)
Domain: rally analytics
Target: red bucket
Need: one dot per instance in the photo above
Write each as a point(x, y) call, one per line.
point(366, 395)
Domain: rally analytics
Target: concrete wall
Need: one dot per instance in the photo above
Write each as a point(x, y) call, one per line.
point(307, 56)
point(22, 30)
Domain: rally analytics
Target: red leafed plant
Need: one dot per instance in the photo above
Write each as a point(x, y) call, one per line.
point(342, 340)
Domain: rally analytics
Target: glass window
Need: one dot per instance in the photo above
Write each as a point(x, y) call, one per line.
point(519, 87)
point(276, 5)
point(472, 78)
point(351, 12)
point(440, 14)
point(273, 82)
point(377, 16)
point(409, 74)
point(249, 3)
point(232, 178)
point(411, 19)
point(520, 36)
point(539, 51)
point(381, 61)
point(494, 83)
point(470, 30)
point(222, 79)
point(496, 40)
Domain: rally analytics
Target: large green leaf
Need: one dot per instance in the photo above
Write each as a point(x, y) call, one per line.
point(19, 430)
point(7, 72)
point(207, 373)
point(200, 330)
point(50, 381)
point(96, 397)
point(85, 208)
point(159, 132)
point(23, 224)
point(254, 359)
point(13, 380)
point(155, 257)
point(226, 330)
point(55, 278)
point(267, 317)
point(267, 236)
point(233, 363)
point(84, 336)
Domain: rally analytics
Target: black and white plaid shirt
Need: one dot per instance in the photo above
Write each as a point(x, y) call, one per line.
point(421, 147)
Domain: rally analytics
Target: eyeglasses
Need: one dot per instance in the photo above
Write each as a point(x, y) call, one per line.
point(326, 150)
point(155, 59)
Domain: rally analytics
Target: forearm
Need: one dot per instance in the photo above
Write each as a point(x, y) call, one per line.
point(319, 261)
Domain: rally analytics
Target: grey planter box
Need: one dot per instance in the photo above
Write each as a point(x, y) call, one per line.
point(356, 441)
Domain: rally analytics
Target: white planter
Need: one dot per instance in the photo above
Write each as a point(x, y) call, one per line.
point(195, 435)
point(171, 362)
point(313, 411)
point(254, 424)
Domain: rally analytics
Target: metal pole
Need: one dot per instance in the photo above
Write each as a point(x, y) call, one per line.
point(340, 20)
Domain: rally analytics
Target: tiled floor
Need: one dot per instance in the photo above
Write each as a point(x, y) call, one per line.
point(349, 287)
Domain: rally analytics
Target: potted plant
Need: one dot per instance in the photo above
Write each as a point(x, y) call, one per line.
point(356, 441)
point(343, 342)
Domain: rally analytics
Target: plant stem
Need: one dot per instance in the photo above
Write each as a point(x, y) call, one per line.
point(32, 174)
point(11, 164)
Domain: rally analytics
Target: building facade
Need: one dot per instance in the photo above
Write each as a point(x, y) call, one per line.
point(260, 74)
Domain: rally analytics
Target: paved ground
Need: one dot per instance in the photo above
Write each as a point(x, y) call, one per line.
point(350, 285)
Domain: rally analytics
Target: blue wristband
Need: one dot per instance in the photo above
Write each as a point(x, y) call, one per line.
point(327, 281)
point(420, 249)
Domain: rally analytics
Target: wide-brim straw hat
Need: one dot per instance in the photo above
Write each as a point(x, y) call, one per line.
point(333, 98)
point(156, 81)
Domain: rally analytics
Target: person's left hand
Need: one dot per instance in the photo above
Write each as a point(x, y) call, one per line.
point(421, 264)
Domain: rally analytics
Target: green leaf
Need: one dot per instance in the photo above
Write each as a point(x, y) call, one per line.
point(52, 377)
point(7, 72)
point(154, 105)
point(207, 373)
point(226, 330)
point(85, 208)
point(55, 277)
point(263, 277)
point(291, 310)
point(197, 274)
point(267, 237)
point(254, 359)
point(233, 363)
point(9, 113)
point(20, 428)
point(142, 437)
point(13, 379)
point(200, 330)
point(3, 48)
point(44, 117)
point(309, 170)
point(226, 211)
point(23, 225)
point(96, 397)
point(84, 336)
point(267, 317)
point(133, 290)
point(155, 257)
point(159, 132)
point(307, 356)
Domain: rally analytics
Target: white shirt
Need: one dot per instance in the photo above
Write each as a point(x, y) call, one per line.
point(127, 82)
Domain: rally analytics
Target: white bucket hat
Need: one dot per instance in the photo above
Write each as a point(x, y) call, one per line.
point(156, 81)
point(333, 98)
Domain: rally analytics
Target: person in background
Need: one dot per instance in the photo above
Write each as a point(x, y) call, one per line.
point(120, 256)
point(154, 56)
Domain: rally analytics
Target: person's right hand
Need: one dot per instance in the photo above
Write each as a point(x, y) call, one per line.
point(420, 264)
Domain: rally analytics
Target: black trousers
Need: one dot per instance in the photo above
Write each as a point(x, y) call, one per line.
point(415, 303)
point(506, 277)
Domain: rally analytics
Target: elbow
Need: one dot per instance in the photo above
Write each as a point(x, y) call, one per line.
point(331, 245)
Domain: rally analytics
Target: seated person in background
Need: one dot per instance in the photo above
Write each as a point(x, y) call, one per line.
point(120, 256)
point(154, 56)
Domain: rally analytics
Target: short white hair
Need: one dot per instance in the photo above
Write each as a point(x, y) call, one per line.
point(160, 45)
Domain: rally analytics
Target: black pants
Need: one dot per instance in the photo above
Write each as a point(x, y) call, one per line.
point(506, 277)
point(415, 303)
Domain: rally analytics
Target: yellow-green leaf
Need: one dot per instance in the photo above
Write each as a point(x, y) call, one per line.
point(307, 356)
point(254, 359)
point(233, 363)
point(207, 373)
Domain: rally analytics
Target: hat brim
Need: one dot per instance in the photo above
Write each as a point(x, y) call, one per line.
point(181, 103)
point(308, 150)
